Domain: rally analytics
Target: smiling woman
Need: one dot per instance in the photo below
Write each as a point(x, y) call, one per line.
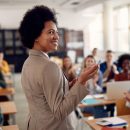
point(45, 86)
point(48, 39)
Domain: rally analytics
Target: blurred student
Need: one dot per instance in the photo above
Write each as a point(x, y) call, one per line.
point(4, 66)
point(95, 87)
point(68, 68)
point(95, 55)
point(124, 64)
point(108, 67)
point(3, 85)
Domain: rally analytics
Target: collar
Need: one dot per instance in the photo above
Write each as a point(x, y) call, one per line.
point(38, 53)
point(45, 54)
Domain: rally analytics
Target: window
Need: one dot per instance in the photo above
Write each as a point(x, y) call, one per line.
point(121, 29)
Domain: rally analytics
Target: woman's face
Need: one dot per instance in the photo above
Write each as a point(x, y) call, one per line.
point(48, 40)
point(126, 65)
point(67, 63)
point(89, 62)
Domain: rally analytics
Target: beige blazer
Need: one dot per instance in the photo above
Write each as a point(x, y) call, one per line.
point(46, 89)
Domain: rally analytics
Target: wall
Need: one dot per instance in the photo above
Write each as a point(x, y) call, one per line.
point(10, 17)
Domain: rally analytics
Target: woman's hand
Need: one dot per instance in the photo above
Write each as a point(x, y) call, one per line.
point(88, 73)
point(72, 83)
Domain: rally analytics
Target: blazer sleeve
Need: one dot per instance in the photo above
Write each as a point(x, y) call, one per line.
point(60, 105)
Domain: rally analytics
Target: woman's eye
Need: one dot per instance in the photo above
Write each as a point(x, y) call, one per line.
point(51, 32)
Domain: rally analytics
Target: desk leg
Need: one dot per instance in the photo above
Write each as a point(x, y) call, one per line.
point(13, 119)
point(12, 97)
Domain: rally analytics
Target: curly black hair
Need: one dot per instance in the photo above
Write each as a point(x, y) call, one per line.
point(122, 58)
point(33, 23)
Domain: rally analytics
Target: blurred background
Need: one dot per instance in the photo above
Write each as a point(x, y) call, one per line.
point(82, 24)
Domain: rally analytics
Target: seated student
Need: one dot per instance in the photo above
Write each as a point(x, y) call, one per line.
point(4, 98)
point(124, 64)
point(95, 55)
point(4, 66)
point(68, 68)
point(109, 69)
point(70, 74)
point(95, 87)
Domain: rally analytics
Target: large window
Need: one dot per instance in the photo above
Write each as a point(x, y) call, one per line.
point(96, 33)
point(121, 29)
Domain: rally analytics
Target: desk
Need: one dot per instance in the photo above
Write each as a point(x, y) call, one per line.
point(10, 127)
point(101, 103)
point(7, 91)
point(9, 108)
point(94, 126)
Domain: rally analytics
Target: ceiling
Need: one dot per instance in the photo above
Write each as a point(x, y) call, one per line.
point(75, 14)
point(69, 5)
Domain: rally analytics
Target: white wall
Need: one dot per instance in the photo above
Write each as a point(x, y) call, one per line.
point(11, 16)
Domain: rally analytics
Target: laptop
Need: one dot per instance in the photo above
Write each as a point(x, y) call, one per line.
point(115, 90)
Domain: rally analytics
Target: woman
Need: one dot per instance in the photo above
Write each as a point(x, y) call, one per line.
point(95, 87)
point(45, 86)
point(95, 84)
point(68, 68)
point(124, 64)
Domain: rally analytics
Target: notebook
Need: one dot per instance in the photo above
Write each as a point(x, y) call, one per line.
point(113, 121)
point(115, 90)
point(90, 101)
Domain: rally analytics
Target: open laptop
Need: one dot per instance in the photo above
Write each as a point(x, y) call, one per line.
point(115, 90)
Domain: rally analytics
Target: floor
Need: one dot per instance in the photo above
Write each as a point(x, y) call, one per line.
point(22, 107)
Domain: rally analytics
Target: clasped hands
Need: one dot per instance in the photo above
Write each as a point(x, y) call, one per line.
point(87, 74)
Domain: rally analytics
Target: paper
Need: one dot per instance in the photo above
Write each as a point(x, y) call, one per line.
point(116, 121)
point(95, 96)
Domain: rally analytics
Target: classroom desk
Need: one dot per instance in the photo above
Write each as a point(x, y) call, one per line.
point(102, 102)
point(9, 91)
point(9, 108)
point(10, 127)
point(94, 126)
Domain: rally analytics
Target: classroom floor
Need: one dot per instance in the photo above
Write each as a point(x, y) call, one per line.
point(22, 107)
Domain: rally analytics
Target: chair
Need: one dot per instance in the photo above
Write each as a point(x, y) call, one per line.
point(121, 107)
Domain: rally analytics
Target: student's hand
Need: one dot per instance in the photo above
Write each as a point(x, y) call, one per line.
point(114, 68)
point(88, 73)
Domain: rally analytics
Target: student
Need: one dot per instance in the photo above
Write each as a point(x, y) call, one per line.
point(4, 98)
point(108, 69)
point(124, 64)
point(68, 68)
point(45, 86)
point(4, 66)
point(95, 55)
point(95, 87)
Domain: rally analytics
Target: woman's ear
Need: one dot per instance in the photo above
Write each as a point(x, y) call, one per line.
point(36, 40)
